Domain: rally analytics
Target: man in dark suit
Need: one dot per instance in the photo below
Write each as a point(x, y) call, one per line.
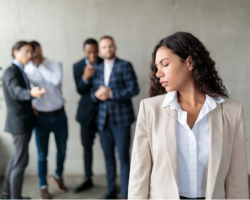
point(114, 85)
point(20, 117)
point(86, 113)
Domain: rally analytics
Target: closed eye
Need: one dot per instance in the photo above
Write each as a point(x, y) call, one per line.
point(166, 65)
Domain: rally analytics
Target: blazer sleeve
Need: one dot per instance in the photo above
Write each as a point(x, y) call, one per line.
point(236, 185)
point(141, 161)
point(15, 91)
point(81, 86)
point(131, 86)
point(94, 89)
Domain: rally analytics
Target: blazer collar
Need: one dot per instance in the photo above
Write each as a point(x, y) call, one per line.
point(169, 137)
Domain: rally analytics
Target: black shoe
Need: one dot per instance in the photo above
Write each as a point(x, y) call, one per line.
point(110, 195)
point(4, 196)
point(86, 184)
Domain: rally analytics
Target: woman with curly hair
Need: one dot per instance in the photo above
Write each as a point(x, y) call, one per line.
point(189, 139)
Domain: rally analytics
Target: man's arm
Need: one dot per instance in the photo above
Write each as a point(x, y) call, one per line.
point(131, 86)
point(82, 85)
point(52, 73)
point(12, 84)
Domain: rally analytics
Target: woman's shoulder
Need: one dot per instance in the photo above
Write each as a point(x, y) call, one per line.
point(231, 106)
point(153, 102)
point(231, 102)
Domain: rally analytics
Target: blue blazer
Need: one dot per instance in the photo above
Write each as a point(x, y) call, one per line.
point(123, 84)
point(86, 112)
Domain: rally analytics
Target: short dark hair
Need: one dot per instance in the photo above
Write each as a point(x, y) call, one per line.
point(90, 41)
point(18, 46)
point(107, 37)
point(35, 44)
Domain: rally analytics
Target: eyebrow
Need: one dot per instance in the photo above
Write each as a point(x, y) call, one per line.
point(162, 60)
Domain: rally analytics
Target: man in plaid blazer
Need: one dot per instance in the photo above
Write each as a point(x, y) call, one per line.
point(114, 84)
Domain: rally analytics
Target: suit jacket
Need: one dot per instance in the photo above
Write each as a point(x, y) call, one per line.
point(86, 112)
point(123, 83)
point(20, 116)
point(154, 166)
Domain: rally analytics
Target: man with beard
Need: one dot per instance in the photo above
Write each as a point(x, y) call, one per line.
point(114, 85)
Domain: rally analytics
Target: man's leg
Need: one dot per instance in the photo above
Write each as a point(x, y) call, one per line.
point(122, 136)
point(60, 129)
point(6, 186)
point(87, 137)
point(21, 159)
point(42, 130)
point(108, 146)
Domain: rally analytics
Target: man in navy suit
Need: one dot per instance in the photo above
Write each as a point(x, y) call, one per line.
point(86, 113)
point(114, 85)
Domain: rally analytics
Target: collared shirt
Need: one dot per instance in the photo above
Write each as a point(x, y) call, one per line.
point(108, 67)
point(47, 75)
point(21, 67)
point(193, 146)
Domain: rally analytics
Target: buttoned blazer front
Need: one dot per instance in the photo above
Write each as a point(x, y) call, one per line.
point(154, 162)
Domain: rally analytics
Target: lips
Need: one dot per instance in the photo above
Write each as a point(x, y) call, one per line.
point(164, 83)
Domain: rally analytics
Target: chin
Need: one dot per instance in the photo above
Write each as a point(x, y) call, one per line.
point(110, 57)
point(168, 89)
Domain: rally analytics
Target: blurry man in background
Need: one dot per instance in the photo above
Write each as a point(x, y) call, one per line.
point(51, 117)
point(86, 113)
point(20, 117)
point(114, 85)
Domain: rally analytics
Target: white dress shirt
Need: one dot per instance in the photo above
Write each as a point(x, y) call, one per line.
point(108, 67)
point(47, 75)
point(193, 146)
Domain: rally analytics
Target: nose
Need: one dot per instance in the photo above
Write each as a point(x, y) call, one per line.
point(159, 73)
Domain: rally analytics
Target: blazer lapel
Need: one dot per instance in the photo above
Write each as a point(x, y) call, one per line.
point(102, 73)
point(170, 139)
point(216, 146)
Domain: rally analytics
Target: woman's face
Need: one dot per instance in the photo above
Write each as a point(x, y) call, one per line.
point(172, 72)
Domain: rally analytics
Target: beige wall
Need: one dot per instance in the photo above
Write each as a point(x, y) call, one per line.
point(62, 25)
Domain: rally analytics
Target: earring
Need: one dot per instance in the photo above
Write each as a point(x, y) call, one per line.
point(190, 69)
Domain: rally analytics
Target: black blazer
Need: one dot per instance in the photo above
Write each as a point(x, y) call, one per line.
point(87, 110)
point(20, 116)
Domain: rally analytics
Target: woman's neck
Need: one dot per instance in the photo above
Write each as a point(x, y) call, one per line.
point(191, 96)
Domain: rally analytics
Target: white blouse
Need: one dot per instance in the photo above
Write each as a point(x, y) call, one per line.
point(193, 146)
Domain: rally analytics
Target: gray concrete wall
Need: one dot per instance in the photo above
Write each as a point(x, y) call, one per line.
point(62, 25)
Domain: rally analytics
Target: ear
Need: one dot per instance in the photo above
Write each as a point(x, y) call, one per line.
point(15, 53)
point(189, 63)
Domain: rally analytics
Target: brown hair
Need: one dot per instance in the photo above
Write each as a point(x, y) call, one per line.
point(107, 37)
point(205, 76)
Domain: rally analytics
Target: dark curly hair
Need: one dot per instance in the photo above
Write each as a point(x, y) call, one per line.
point(205, 76)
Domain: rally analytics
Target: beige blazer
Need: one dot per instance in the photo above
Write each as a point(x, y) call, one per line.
point(154, 165)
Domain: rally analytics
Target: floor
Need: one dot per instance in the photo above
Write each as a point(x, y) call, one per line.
point(30, 188)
